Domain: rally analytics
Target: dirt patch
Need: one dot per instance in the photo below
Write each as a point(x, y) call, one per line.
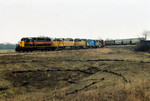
point(46, 78)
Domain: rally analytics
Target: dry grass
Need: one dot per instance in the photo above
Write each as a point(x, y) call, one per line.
point(129, 93)
point(106, 74)
point(137, 93)
point(7, 51)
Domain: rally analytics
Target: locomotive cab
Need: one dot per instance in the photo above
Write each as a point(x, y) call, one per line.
point(34, 43)
point(21, 45)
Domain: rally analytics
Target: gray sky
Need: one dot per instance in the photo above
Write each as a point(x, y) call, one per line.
point(73, 18)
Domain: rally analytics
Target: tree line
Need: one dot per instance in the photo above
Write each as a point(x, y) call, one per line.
point(7, 46)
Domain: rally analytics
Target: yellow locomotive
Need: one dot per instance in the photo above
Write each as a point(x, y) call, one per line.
point(62, 43)
point(80, 43)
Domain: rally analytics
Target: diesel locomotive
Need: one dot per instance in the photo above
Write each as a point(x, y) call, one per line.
point(48, 44)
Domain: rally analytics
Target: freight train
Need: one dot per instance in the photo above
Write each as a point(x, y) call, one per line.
point(131, 41)
point(48, 44)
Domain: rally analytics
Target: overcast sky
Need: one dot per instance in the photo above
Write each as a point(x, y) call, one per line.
point(73, 18)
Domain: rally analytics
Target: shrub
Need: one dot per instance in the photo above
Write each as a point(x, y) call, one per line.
point(143, 47)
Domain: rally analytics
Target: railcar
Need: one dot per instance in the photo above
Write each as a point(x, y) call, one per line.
point(68, 42)
point(99, 43)
point(109, 42)
point(62, 43)
point(58, 43)
point(131, 41)
point(118, 42)
point(137, 40)
point(80, 43)
point(91, 43)
point(126, 41)
point(34, 43)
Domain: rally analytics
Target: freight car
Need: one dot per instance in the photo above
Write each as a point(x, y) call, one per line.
point(47, 44)
point(109, 42)
point(131, 41)
point(123, 42)
point(137, 40)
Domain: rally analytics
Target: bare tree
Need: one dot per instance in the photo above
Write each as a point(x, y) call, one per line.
point(146, 34)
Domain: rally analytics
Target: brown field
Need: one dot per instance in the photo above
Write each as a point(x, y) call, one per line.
point(114, 73)
point(6, 51)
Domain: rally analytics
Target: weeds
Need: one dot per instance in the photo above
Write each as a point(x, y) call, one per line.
point(49, 76)
point(142, 47)
point(131, 93)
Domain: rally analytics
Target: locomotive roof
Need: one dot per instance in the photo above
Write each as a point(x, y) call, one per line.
point(67, 39)
point(77, 39)
point(58, 39)
point(36, 38)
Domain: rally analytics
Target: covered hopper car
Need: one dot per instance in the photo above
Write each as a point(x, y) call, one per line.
point(131, 41)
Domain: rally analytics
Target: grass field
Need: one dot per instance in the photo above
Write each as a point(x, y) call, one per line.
point(114, 73)
point(7, 51)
